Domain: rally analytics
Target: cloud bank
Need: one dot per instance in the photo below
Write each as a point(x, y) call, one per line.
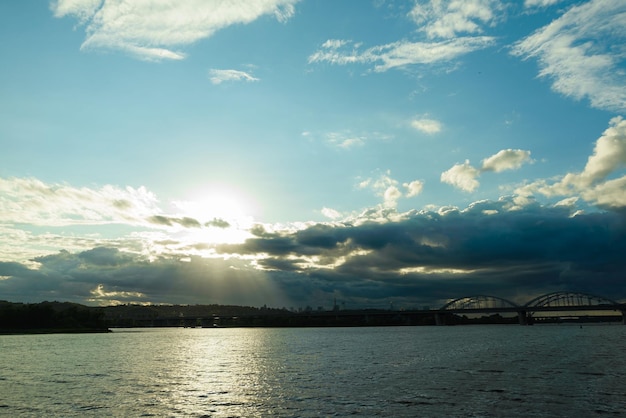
point(413, 259)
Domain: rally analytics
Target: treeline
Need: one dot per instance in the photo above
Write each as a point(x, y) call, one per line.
point(144, 312)
point(50, 317)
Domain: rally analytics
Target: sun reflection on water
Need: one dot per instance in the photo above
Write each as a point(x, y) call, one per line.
point(216, 372)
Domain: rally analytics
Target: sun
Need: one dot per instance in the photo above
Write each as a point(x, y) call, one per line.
point(225, 215)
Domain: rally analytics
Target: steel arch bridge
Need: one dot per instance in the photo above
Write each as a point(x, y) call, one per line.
point(478, 302)
point(559, 299)
point(562, 301)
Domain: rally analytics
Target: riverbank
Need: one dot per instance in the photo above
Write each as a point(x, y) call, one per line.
point(54, 331)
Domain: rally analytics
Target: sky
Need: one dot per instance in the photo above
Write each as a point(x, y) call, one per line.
point(294, 153)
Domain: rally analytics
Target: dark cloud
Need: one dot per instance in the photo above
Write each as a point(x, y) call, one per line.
point(122, 204)
point(274, 245)
point(103, 256)
point(427, 257)
point(171, 221)
point(107, 274)
point(259, 231)
point(160, 220)
point(281, 264)
point(188, 222)
point(320, 236)
point(416, 259)
point(218, 223)
point(12, 269)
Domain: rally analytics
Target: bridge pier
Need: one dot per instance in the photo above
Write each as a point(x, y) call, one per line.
point(522, 316)
point(623, 317)
point(440, 318)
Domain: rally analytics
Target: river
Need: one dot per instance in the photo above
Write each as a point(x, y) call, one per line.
point(458, 371)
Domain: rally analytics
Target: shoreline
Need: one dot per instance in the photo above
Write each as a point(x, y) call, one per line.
point(39, 331)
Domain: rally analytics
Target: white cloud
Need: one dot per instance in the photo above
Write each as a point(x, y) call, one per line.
point(334, 43)
point(413, 188)
point(82, 9)
point(609, 155)
point(443, 22)
point(398, 54)
point(151, 29)
point(462, 176)
point(582, 52)
point(331, 213)
point(569, 202)
point(345, 139)
point(610, 194)
point(220, 76)
point(31, 201)
point(448, 19)
point(391, 196)
point(154, 54)
point(426, 125)
point(387, 187)
point(99, 292)
point(508, 159)
point(540, 3)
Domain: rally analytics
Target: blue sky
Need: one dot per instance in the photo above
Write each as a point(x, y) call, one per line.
point(296, 152)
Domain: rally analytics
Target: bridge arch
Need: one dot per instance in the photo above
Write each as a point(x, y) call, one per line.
point(563, 299)
point(478, 302)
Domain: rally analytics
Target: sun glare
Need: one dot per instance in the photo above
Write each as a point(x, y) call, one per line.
point(225, 215)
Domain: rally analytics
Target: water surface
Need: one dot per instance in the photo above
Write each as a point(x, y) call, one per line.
point(462, 371)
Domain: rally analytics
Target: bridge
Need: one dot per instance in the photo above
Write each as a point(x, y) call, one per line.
point(554, 302)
